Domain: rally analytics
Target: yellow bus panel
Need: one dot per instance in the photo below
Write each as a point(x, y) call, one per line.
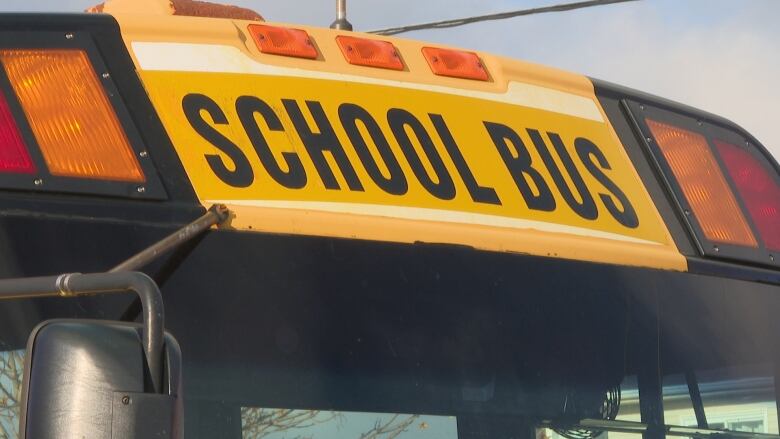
point(528, 167)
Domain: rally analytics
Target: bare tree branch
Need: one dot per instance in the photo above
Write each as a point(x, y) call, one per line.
point(11, 372)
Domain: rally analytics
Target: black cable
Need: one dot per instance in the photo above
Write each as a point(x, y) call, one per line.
point(499, 16)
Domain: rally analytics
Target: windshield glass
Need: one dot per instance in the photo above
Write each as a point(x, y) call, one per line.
point(304, 337)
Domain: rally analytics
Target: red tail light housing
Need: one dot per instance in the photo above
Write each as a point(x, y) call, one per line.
point(759, 188)
point(725, 185)
point(14, 157)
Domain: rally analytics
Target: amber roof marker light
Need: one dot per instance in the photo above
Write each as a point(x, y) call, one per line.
point(283, 41)
point(455, 63)
point(370, 53)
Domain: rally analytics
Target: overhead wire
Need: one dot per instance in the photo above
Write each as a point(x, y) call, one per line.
point(498, 16)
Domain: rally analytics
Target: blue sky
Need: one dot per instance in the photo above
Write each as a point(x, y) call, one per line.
point(719, 55)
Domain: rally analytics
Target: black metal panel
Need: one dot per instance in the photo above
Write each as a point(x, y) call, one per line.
point(142, 415)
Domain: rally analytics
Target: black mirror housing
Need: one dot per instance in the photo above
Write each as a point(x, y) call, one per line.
point(90, 379)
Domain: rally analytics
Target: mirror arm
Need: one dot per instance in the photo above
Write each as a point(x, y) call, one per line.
point(217, 215)
point(76, 284)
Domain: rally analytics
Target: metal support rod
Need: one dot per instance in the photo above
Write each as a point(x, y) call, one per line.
point(777, 385)
point(649, 378)
point(341, 22)
point(698, 405)
point(76, 284)
point(217, 214)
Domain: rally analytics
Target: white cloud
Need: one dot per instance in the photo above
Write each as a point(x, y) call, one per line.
point(725, 62)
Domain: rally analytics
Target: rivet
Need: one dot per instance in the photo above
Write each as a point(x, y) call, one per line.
point(649, 139)
point(38, 182)
point(143, 154)
point(716, 248)
point(772, 258)
point(126, 400)
point(106, 75)
point(641, 107)
point(140, 189)
point(69, 36)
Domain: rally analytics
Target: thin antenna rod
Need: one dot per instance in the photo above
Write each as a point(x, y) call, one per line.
point(341, 22)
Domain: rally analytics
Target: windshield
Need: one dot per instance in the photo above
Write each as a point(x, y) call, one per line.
point(301, 337)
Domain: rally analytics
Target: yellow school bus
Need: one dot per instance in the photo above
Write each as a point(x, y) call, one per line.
point(360, 236)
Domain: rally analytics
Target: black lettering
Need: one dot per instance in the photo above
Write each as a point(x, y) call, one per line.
point(193, 106)
point(480, 194)
point(318, 143)
point(401, 119)
point(588, 151)
point(247, 107)
point(585, 208)
point(396, 183)
point(519, 165)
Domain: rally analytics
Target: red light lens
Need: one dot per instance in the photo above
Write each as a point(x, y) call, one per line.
point(14, 157)
point(759, 188)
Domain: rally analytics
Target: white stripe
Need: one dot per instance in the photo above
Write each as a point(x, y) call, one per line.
point(422, 214)
point(213, 58)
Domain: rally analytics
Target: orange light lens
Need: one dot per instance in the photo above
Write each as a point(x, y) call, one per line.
point(283, 41)
point(455, 63)
point(370, 53)
point(70, 115)
point(702, 182)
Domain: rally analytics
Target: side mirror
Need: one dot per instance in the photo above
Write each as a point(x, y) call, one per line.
point(98, 379)
point(89, 379)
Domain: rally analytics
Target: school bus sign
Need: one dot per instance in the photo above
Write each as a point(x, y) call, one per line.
point(333, 146)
